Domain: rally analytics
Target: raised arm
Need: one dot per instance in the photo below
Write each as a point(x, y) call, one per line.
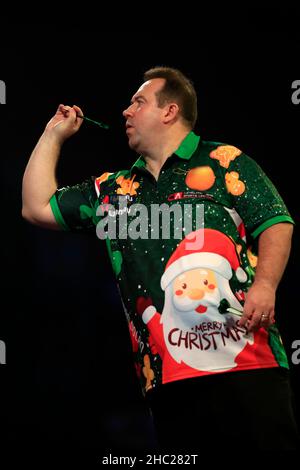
point(39, 181)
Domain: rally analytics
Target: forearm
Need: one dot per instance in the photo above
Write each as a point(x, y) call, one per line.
point(274, 247)
point(39, 181)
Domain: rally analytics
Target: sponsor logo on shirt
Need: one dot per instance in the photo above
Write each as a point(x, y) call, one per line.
point(189, 195)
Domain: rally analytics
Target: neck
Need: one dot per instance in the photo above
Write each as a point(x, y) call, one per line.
point(163, 150)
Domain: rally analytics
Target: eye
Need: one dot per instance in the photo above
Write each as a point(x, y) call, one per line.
point(183, 285)
point(205, 282)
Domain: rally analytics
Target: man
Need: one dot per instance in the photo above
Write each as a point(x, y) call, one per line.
point(183, 225)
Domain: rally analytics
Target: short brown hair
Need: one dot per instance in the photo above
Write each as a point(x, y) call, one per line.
point(177, 88)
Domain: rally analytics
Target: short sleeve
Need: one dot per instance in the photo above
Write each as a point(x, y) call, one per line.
point(254, 196)
point(74, 207)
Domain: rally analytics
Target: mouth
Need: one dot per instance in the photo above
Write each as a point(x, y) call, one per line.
point(128, 129)
point(201, 309)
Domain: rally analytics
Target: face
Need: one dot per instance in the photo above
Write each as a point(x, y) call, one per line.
point(144, 119)
point(195, 288)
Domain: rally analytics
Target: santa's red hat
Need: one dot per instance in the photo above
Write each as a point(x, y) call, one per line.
point(204, 248)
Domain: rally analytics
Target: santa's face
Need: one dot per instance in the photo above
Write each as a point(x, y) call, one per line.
point(195, 332)
point(196, 291)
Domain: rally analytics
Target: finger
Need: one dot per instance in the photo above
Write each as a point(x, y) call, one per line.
point(255, 322)
point(268, 320)
point(245, 319)
point(78, 110)
point(62, 109)
point(259, 320)
point(272, 316)
point(67, 111)
point(248, 311)
point(264, 320)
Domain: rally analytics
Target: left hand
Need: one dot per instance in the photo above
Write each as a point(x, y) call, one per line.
point(259, 308)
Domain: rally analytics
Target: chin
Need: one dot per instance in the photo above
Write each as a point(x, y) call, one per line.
point(132, 144)
point(135, 146)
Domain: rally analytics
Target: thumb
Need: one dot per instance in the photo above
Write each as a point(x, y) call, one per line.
point(247, 314)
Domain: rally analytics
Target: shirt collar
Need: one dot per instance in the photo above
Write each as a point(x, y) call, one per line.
point(185, 150)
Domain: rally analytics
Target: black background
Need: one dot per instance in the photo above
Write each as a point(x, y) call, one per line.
point(69, 382)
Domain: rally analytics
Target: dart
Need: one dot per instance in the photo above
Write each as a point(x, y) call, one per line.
point(224, 308)
point(98, 123)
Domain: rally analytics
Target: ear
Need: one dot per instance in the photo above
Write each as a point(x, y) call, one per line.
point(171, 112)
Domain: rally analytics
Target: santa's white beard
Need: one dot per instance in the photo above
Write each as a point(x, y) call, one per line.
point(180, 318)
point(185, 308)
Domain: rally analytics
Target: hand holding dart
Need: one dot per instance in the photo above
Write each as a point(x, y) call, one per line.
point(85, 118)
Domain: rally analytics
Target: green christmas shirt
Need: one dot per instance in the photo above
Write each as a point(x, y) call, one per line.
point(183, 252)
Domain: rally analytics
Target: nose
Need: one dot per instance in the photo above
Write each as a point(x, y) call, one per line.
point(127, 112)
point(196, 294)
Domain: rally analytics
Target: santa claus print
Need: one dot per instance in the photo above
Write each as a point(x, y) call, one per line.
point(193, 333)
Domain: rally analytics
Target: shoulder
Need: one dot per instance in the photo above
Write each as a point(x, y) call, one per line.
point(222, 152)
